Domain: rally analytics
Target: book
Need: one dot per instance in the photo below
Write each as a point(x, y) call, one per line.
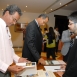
point(27, 64)
point(41, 73)
point(55, 62)
point(54, 68)
point(30, 68)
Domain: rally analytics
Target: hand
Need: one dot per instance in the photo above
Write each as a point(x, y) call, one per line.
point(44, 39)
point(42, 61)
point(15, 69)
point(60, 73)
point(72, 36)
point(23, 60)
point(63, 67)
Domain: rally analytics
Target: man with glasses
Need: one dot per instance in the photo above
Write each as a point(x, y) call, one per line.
point(71, 67)
point(68, 41)
point(33, 40)
point(7, 55)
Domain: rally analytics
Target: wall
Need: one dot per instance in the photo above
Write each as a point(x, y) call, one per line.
point(17, 38)
point(58, 12)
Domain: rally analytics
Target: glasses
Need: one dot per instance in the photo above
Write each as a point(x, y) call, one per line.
point(14, 19)
point(44, 22)
point(70, 23)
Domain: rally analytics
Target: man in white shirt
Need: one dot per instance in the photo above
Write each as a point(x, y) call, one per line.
point(7, 55)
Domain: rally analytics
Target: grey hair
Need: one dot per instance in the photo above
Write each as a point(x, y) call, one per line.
point(43, 16)
point(73, 17)
point(12, 9)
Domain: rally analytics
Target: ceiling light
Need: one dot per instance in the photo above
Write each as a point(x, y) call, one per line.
point(7, 5)
point(65, 5)
point(51, 9)
point(26, 6)
point(45, 12)
point(60, 3)
point(24, 11)
point(2, 9)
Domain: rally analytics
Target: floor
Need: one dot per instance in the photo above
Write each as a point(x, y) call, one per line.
point(43, 54)
point(18, 51)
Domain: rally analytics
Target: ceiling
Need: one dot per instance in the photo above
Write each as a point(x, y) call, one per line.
point(40, 6)
point(71, 6)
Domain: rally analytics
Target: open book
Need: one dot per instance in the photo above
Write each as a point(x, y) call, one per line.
point(41, 73)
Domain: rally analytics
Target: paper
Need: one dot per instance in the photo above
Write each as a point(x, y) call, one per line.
point(27, 65)
point(30, 68)
point(62, 62)
point(53, 68)
point(42, 73)
point(47, 63)
point(58, 62)
point(55, 62)
point(49, 74)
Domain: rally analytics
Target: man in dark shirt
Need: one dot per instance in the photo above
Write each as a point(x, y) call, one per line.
point(33, 40)
point(71, 68)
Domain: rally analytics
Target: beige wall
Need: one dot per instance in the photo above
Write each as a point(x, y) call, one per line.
point(17, 38)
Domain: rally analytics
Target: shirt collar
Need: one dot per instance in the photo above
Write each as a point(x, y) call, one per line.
point(36, 22)
point(3, 22)
point(69, 30)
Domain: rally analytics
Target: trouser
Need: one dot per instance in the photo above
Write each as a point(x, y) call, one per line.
point(57, 46)
point(7, 74)
point(51, 52)
point(44, 47)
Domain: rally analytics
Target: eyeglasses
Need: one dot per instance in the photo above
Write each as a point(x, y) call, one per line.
point(44, 22)
point(14, 19)
point(70, 23)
